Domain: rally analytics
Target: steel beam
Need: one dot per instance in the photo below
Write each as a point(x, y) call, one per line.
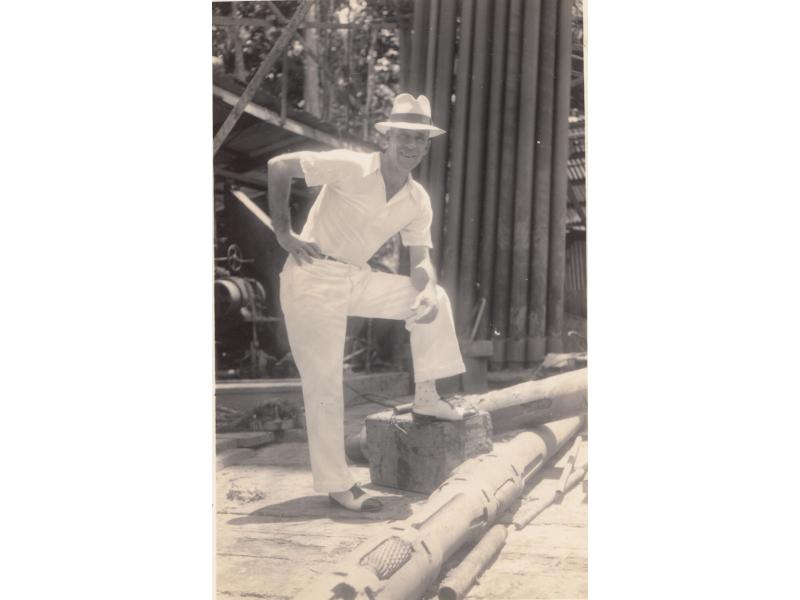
point(259, 76)
point(274, 118)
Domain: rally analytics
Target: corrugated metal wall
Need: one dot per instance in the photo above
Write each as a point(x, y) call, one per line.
point(575, 281)
point(497, 73)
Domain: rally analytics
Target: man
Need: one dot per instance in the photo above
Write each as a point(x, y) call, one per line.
point(365, 200)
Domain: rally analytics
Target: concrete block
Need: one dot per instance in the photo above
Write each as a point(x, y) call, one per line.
point(418, 455)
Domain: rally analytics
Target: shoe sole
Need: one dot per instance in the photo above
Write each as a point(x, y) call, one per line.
point(360, 509)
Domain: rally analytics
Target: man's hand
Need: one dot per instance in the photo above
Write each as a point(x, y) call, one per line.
point(301, 250)
point(426, 305)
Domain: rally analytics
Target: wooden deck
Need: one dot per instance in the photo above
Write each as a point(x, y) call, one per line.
point(274, 534)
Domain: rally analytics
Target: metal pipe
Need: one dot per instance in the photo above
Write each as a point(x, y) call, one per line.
point(536, 402)
point(475, 169)
point(253, 208)
point(505, 204)
point(558, 206)
point(406, 559)
point(430, 59)
point(419, 45)
point(458, 581)
point(518, 406)
point(458, 139)
point(529, 513)
point(493, 139)
point(537, 314)
point(440, 105)
point(430, 72)
point(523, 193)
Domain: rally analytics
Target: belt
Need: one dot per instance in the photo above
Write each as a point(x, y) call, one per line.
point(333, 259)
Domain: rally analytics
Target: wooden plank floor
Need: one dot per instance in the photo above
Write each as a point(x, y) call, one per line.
point(273, 546)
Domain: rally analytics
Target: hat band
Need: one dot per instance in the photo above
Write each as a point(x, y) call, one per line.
point(410, 118)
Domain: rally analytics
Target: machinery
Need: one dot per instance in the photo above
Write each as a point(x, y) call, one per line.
point(240, 318)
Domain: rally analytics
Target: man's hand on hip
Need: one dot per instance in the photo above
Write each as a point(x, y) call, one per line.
point(301, 250)
point(426, 305)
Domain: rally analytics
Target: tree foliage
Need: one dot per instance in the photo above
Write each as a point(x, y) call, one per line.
point(257, 40)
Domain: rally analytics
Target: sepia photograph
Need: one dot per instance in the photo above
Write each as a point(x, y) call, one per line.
point(310, 318)
point(400, 316)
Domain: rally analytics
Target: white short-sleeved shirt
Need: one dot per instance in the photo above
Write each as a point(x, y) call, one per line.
point(352, 217)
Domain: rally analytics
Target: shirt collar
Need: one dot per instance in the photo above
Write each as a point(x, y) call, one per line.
point(373, 164)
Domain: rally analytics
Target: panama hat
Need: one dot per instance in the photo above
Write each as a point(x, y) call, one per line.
point(410, 113)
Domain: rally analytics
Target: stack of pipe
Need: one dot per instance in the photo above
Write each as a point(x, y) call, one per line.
point(498, 76)
point(515, 407)
point(406, 559)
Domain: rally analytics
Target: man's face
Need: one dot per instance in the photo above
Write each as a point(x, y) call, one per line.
point(407, 147)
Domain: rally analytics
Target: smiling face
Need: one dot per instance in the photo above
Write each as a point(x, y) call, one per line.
point(407, 147)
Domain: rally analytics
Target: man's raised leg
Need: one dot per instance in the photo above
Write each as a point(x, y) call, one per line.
point(434, 346)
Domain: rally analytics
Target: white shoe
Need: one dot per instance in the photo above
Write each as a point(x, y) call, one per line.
point(356, 499)
point(441, 409)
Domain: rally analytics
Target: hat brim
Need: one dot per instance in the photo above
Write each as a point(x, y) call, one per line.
point(384, 126)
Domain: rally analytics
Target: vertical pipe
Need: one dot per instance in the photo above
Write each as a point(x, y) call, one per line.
point(537, 330)
point(493, 139)
point(558, 207)
point(523, 193)
point(475, 173)
point(430, 73)
point(505, 201)
point(440, 107)
point(419, 46)
point(430, 60)
point(455, 187)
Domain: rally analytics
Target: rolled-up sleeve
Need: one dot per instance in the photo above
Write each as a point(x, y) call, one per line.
point(320, 168)
point(418, 231)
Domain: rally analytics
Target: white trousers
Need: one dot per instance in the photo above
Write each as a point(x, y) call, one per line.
point(316, 300)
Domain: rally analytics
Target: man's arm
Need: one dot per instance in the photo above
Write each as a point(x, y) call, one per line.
point(423, 277)
point(280, 172)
